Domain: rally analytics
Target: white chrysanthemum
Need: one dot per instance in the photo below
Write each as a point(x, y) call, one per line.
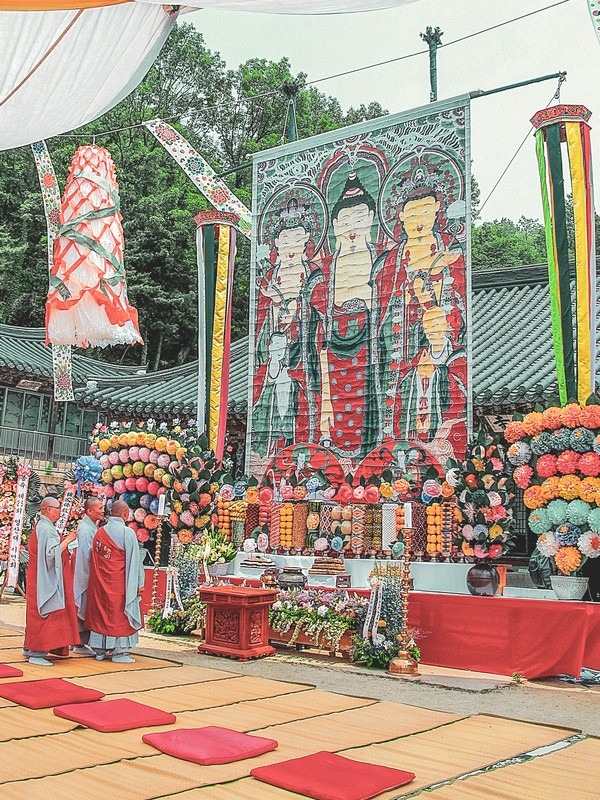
point(589, 544)
point(548, 544)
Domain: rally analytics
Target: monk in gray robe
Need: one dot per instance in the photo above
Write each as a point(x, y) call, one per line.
point(51, 616)
point(86, 530)
point(116, 583)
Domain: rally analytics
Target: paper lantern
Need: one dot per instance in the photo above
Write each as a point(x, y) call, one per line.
point(116, 471)
point(145, 501)
point(113, 457)
point(163, 460)
point(149, 470)
point(124, 455)
point(134, 453)
point(87, 303)
point(119, 486)
point(130, 484)
point(154, 456)
point(127, 470)
point(138, 468)
point(153, 488)
point(140, 514)
point(104, 459)
point(144, 454)
point(141, 485)
point(107, 476)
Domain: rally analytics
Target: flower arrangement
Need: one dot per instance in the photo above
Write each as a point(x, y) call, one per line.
point(378, 637)
point(485, 499)
point(8, 489)
point(194, 493)
point(324, 616)
point(555, 457)
point(179, 623)
point(138, 467)
point(215, 549)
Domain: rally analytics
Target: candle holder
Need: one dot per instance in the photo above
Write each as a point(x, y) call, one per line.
point(404, 663)
point(157, 550)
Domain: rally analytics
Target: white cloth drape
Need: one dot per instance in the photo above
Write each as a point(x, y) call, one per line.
point(62, 69)
point(293, 6)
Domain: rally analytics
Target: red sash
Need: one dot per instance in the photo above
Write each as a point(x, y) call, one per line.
point(59, 629)
point(105, 609)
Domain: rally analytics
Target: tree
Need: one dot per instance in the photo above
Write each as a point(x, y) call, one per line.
point(502, 243)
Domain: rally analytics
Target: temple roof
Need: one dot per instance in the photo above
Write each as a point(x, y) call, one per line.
point(513, 359)
point(24, 350)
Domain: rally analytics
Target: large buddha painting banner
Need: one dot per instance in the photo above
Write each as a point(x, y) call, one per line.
point(359, 308)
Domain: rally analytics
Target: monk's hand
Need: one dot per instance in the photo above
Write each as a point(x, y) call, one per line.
point(70, 537)
point(141, 591)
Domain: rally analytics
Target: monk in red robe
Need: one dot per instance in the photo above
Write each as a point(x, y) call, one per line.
point(51, 616)
point(113, 615)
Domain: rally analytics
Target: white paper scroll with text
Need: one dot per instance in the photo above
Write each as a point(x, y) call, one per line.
point(23, 473)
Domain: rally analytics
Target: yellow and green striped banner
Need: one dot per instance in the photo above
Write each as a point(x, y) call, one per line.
point(578, 144)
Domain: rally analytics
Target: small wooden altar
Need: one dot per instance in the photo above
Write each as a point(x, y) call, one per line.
point(237, 622)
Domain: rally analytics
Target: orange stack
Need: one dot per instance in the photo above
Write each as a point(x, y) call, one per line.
point(434, 528)
point(224, 518)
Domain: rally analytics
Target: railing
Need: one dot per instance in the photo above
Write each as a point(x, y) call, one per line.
point(43, 450)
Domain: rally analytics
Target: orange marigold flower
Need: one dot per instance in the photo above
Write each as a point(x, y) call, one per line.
point(514, 431)
point(533, 423)
point(568, 487)
point(185, 536)
point(550, 488)
point(572, 415)
point(532, 497)
point(590, 416)
point(552, 418)
point(588, 489)
point(568, 560)
point(467, 549)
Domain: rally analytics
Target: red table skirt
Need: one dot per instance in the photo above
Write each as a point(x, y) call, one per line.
point(504, 635)
point(500, 635)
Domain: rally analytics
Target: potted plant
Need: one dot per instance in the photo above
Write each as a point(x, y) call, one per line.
point(216, 552)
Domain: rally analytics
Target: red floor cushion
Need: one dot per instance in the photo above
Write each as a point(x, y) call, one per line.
point(327, 776)
point(47, 693)
point(210, 745)
point(6, 671)
point(115, 715)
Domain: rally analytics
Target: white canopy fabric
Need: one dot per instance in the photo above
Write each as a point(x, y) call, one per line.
point(293, 6)
point(62, 69)
point(66, 62)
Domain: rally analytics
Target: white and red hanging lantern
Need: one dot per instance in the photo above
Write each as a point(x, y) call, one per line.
point(87, 303)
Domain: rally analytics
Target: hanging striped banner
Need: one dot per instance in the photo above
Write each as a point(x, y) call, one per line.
point(215, 288)
point(62, 368)
point(201, 174)
point(556, 125)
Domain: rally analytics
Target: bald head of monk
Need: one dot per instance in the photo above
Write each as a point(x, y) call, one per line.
point(94, 508)
point(50, 508)
point(120, 509)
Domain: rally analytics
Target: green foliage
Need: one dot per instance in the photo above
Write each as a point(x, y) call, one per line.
point(179, 623)
point(503, 243)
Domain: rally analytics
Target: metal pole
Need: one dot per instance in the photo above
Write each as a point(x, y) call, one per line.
point(433, 38)
point(290, 90)
point(485, 92)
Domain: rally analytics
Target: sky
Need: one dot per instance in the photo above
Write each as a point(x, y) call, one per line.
point(561, 38)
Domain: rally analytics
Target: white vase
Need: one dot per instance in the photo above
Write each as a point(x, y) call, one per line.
point(218, 569)
point(569, 587)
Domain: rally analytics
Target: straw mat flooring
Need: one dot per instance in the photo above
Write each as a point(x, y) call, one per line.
point(44, 756)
